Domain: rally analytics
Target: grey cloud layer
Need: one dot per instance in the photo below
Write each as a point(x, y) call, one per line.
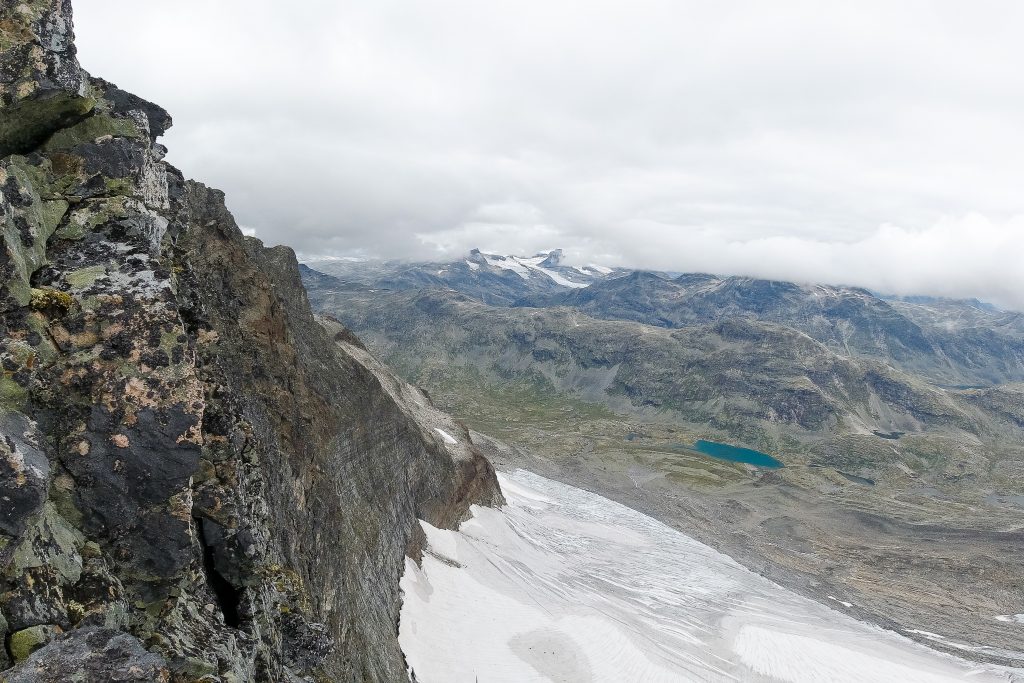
point(866, 143)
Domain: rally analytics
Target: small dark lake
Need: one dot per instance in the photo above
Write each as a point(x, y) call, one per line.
point(724, 451)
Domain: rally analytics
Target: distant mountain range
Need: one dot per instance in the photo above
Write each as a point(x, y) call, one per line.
point(950, 342)
point(495, 279)
point(775, 365)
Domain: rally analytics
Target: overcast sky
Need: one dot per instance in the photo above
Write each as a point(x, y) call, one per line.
point(870, 143)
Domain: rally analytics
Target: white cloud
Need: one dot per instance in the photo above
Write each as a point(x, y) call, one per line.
point(969, 256)
point(648, 130)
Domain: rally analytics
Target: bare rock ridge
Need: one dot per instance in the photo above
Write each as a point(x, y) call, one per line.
point(198, 481)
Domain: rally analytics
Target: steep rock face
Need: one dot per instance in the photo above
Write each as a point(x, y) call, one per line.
point(42, 88)
point(196, 479)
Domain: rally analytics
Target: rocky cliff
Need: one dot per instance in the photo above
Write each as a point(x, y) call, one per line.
point(197, 480)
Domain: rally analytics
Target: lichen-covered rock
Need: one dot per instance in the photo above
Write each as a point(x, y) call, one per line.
point(42, 88)
point(196, 481)
point(336, 445)
point(90, 655)
point(24, 476)
point(21, 644)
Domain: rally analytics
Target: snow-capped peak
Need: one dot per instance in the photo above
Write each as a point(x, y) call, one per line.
point(548, 264)
point(545, 263)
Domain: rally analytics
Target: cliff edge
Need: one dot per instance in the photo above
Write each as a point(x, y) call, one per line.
point(198, 480)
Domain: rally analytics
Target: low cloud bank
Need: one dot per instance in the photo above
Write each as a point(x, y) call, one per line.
point(730, 137)
point(966, 257)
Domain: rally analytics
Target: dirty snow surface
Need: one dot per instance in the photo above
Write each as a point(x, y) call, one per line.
point(448, 438)
point(564, 585)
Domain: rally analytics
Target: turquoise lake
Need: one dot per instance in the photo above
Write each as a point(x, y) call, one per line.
point(724, 451)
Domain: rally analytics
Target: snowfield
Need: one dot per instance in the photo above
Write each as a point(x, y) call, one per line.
point(523, 266)
point(564, 585)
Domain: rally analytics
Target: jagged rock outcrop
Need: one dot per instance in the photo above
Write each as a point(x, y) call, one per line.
point(197, 482)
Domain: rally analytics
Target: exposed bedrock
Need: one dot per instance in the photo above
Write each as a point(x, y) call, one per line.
point(198, 481)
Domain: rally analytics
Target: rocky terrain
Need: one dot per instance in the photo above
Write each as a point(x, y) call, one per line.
point(957, 343)
point(202, 481)
point(900, 497)
point(953, 342)
point(199, 480)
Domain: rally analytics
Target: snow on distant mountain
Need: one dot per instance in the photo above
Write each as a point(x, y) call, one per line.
point(496, 279)
point(549, 263)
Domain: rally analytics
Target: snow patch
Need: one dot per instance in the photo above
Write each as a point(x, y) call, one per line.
point(523, 267)
point(534, 264)
point(926, 634)
point(448, 438)
point(507, 263)
point(559, 279)
point(473, 266)
point(801, 657)
point(841, 602)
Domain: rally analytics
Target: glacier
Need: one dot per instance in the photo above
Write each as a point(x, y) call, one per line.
point(564, 585)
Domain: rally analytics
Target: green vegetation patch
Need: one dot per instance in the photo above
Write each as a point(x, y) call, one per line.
point(12, 395)
point(51, 299)
point(120, 186)
point(91, 216)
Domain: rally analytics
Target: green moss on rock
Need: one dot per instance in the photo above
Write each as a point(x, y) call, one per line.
point(49, 299)
point(27, 124)
point(71, 232)
point(51, 213)
point(12, 395)
point(198, 669)
point(45, 351)
point(92, 129)
point(120, 186)
point(63, 499)
point(26, 641)
point(26, 250)
point(87, 218)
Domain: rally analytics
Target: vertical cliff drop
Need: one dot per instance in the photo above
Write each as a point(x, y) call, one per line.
point(197, 480)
